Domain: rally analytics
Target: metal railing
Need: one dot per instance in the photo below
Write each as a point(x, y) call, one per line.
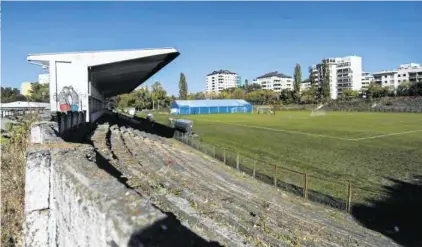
point(337, 194)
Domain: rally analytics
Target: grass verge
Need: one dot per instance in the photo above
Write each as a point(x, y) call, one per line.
point(13, 160)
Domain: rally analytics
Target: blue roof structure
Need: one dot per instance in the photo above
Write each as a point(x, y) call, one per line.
point(211, 102)
point(209, 106)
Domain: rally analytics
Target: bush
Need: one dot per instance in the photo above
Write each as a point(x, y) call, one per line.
point(13, 181)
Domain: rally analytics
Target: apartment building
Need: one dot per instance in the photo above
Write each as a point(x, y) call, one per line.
point(344, 73)
point(367, 78)
point(275, 81)
point(411, 72)
point(26, 88)
point(304, 85)
point(220, 80)
point(44, 78)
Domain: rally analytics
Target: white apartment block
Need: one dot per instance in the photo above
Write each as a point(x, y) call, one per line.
point(344, 72)
point(44, 78)
point(220, 80)
point(304, 85)
point(411, 72)
point(275, 81)
point(367, 78)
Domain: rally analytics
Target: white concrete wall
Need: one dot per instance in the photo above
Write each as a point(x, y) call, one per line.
point(65, 74)
point(70, 201)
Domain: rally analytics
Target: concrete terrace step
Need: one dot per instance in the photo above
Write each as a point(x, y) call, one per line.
point(166, 200)
point(336, 229)
point(198, 193)
point(225, 205)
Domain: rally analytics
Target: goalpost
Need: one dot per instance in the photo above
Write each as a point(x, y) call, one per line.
point(264, 110)
point(317, 112)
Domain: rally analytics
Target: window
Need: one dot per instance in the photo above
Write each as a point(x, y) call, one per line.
point(399, 75)
point(404, 75)
point(399, 80)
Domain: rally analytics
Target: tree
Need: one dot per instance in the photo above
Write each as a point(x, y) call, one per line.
point(183, 87)
point(287, 96)
point(376, 91)
point(308, 96)
point(159, 95)
point(9, 94)
point(349, 94)
point(297, 81)
point(325, 81)
point(253, 87)
point(403, 89)
point(416, 89)
point(39, 92)
point(238, 93)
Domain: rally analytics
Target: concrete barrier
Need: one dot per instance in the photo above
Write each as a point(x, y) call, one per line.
point(70, 201)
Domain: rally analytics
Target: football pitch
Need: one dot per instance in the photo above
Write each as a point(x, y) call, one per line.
point(362, 148)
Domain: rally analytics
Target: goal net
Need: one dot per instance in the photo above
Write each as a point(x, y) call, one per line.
point(317, 112)
point(264, 110)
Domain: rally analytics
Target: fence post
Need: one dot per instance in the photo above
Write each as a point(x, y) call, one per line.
point(224, 154)
point(275, 174)
point(213, 151)
point(254, 169)
point(349, 197)
point(237, 161)
point(305, 186)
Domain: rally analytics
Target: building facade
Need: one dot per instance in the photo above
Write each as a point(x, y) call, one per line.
point(44, 78)
point(367, 78)
point(275, 81)
point(344, 73)
point(411, 72)
point(220, 80)
point(26, 88)
point(304, 85)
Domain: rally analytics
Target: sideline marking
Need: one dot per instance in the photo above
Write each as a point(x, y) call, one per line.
point(379, 136)
point(311, 134)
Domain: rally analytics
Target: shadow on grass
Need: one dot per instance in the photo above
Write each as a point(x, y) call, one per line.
point(399, 215)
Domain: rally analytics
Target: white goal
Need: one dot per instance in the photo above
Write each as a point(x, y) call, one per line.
point(317, 112)
point(264, 110)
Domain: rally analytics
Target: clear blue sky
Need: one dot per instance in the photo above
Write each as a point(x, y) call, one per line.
point(250, 38)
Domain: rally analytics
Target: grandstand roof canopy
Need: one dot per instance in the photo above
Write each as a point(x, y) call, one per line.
point(116, 71)
point(210, 103)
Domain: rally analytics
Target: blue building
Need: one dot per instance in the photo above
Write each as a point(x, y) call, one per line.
point(186, 107)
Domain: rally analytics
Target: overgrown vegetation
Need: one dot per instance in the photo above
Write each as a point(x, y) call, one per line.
point(38, 93)
point(13, 181)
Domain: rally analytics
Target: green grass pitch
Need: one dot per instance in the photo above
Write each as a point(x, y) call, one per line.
point(363, 148)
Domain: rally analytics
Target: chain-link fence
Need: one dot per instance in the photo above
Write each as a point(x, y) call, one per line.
point(340, 195)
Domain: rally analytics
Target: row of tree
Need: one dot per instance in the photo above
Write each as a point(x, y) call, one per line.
point(143, 98)
point(38, 93)
point(157, 97)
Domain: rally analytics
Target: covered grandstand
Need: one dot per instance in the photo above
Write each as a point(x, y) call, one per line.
point(187, 107)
